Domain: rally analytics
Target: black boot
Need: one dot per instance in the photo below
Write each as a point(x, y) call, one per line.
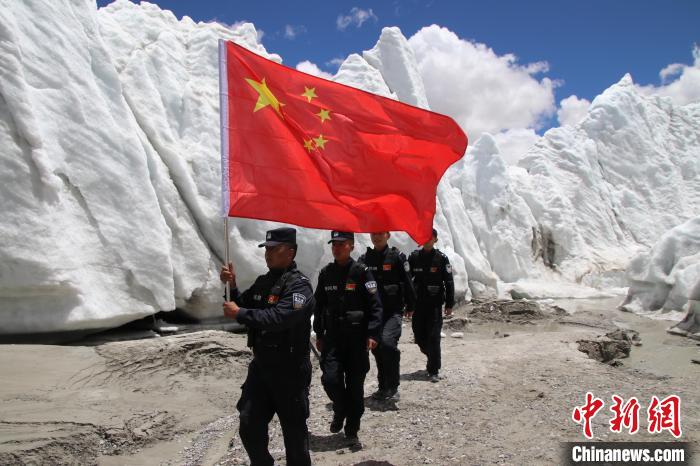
point(337, 423)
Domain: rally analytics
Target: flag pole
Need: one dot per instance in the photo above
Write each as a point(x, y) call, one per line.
point(226, 254)
point(223, 122)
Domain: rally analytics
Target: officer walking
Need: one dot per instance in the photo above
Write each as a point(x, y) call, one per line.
point(277, 310)
point(391, 270)
point(347, 321)
point(432, 278)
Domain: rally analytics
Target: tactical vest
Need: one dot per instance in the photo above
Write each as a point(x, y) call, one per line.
point(345, 312)
point(384, 270)
point(293, 341)
point(428, 277)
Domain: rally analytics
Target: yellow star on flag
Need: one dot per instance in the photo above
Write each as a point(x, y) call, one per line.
point(320, 142)
point(309, 145)
point(324, 115)
point(309, 93)
point(265, 96)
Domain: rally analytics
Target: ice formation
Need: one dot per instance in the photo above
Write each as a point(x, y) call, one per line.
point(664, 277)
point(110, 175)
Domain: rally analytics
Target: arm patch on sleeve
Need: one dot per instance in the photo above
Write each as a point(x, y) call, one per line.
point(448, 268)
point(371, 286)
point(298, 300)
point(406, 266)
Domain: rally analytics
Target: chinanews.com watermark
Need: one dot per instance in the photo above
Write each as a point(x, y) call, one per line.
point(627, 416)
point(620, 453)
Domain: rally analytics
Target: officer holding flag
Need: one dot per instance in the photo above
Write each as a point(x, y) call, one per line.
point(277, 310)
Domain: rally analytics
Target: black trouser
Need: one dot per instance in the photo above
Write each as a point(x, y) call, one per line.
point(427, 325)
point(281, 388)
point(345, 365)
point(387, 354)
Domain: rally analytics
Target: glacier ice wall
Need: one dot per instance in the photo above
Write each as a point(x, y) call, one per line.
point(110, 174)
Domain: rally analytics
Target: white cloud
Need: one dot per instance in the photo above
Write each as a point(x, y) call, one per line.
point(675, 69)
point(514, 143)
point(337, 61)
point(572, 110)
point(685, 88)
point(311, 68)
point(290, 32)
point(482, 91)
point(357, 16)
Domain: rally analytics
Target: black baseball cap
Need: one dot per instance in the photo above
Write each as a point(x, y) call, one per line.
point(279, 236)
point(342, 236)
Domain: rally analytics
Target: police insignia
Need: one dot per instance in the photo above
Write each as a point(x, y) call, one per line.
point(406, 267)
point(298, 300)
point(272, 299)
point(350, 287)
point(448, 267)
point(371, 286)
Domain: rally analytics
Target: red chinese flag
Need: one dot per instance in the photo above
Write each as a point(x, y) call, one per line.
point(306, 151)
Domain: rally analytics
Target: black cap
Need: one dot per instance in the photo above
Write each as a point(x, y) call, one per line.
point(342, 236)
point(280, 235)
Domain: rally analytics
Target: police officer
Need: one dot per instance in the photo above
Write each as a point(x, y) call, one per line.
point(432, 278)
point(277, 310)
point(391, 270)
point(347, 321)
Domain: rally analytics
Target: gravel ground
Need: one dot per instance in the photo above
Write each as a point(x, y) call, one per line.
point(512, 376)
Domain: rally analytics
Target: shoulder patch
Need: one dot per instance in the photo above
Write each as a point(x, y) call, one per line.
point(298, 300)
point(371, 286)
point(406, 266)
point(448, 267)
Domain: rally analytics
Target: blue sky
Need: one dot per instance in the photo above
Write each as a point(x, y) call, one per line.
point(587, 47)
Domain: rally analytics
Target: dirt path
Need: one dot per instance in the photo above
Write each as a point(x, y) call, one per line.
point(507, 397)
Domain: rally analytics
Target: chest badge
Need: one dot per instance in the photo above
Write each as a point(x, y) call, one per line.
point(350, 287)
point(272, 299)
point(386, 267)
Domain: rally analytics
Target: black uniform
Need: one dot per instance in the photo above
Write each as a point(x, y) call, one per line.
point(391, 270)
point(432, 279)
point(277, 310)
point(348, 311)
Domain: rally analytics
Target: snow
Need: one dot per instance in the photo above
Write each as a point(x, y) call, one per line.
point(110, 176)
point(663, 279)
